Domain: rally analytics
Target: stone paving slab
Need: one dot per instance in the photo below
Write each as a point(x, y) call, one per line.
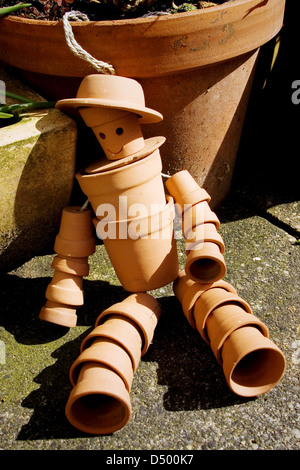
point(179, 396)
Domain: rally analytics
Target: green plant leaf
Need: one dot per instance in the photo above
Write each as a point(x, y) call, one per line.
point(18, 97)
point(19, 108)
point(5, 115)
point(8, 10)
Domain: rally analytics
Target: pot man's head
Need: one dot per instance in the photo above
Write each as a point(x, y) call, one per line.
point(118, 132)
point(114, 107)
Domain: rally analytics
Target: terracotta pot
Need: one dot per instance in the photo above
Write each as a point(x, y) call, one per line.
point(66, 289)
point(186, 63)
point(224, 320)
point(143, 250)
point(60, 314)
point(99, 403)
point(205, 262)
point(188, 292)
point(124, 187)
point(181, 284)
point(252, 363)
point(203, 233)
point(107, 352)
point(118, 132)
point(123, 331)
point(75, 237)
point(209, 301)
point(185, 190)
point(143, 309)
point(198, 214)
point(76, 266)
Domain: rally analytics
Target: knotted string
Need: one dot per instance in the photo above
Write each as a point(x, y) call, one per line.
point(99, 65)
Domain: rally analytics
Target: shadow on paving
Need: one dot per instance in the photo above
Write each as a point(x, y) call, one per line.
point(186, 364)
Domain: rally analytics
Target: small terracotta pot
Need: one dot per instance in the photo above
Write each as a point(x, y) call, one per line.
point(188, 292)
point(59, 314)
point(123, 331)
point(99, 403)
point(209, 301)
point(118, 132)
point(205, 263)
point(206, 232)
point(143, 251)
point(198, 214)
point(75, 237)
point(181, 284)
point(107, 352)
point(252, 363)
point(66, 289)
point(185, 190)
point(143, 309)
point(224, 320)
point(76, 266)
point(114, 193)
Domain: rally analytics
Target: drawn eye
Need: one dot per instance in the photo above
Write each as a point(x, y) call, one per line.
point(102, 136)
point(120, 131)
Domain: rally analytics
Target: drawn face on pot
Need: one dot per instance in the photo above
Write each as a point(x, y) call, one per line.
point(118, 132)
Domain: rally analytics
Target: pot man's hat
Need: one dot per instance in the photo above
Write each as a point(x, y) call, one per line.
point(110, 91)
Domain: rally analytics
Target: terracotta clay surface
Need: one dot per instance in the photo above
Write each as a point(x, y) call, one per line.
point(185, 190)
point(224, 320)
point(211, 299)
point(188, 292)
point(205, 262)
point(143, 309)
point(124, 187)
point(198, 38)
point(65, 288)
point(75, 237)
point(121, 330)
point(198, 214)
point(99, 403)
point(108, 352)
point(252, 363)
point(76, 266)
point(202, 233)
point(146, 258)
point(58, 313)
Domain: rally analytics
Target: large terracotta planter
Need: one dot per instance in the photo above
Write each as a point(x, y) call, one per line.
point(196, 68)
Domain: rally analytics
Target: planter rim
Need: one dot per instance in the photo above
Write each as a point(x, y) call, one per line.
point(182, 16)
point(192, 39)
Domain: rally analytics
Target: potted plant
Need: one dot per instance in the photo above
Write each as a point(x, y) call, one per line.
point(196, 68)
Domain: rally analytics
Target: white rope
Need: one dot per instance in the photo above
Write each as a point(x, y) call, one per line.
point(85, 205)
point(102, 67)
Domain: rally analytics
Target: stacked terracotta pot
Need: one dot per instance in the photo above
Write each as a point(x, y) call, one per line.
point(204, 245)
point(102, 374)
point(74, 243)
point(134, 218)
point(251, 362)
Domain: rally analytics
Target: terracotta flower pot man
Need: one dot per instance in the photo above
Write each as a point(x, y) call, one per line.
point(135, 218)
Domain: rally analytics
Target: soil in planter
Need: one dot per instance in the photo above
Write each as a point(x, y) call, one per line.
point(107, 10)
